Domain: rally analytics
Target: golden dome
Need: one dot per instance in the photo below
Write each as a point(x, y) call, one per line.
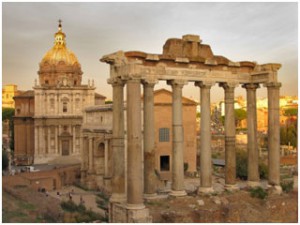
point(59, 53)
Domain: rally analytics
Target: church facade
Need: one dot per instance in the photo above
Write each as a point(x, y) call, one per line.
point(60, 98)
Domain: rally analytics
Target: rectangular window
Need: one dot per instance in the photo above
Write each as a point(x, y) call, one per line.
point(164, 135)
point(164, 163)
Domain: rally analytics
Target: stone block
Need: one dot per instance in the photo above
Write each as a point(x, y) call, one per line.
point(200, 202)
point(191, 37)
point(138, 216)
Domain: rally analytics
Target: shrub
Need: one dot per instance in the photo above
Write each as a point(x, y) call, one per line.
point(258, 192)
point(4, 160)
point(287, 186)
point(263, 171)
point(185, 166)
point(69, 206)
point(242, 166)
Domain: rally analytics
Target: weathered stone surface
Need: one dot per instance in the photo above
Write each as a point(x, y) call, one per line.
point(200, 202)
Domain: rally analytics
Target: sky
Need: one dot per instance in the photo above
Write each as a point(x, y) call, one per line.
point(260, 32)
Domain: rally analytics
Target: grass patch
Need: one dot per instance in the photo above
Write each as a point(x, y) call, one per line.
point(79, 213)
point(258, 192)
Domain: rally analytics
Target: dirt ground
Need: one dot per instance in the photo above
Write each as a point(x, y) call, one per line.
point(21, 204)
point(235, 207)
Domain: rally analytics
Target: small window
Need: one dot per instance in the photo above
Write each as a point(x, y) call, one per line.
point(46, 82)
point(18, 111)
point(164, 135)
point(65, 107)
point(164, 163)
point(75, 82)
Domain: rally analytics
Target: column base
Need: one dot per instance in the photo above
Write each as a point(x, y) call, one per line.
point(205, 190)
point(129, 213)
point(117, 197)
point(275, 189)
point(135, 206)
point(138, 215)
point(253, 184)
point(150, 196)
point(178, 193)
point(232, 187)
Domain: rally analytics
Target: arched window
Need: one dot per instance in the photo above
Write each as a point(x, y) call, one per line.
point(100, 150)
point(65, 107)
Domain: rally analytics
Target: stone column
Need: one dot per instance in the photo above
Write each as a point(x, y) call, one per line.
point(274, 135)
point(106, 158)
point(36, 141)
point(83, 169)
point(205, 139)
point(134, 146)
point(149, 140)
point(230, 151)
point(91, 163)
point(118, 148)
point(178, 143)
point(252, 146)
point(73, 139)
point(56, 140)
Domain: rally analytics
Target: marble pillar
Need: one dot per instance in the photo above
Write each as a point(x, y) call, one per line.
point(274, 135)
point(205, 139)
point(252, 145)
point(230, 151)
point(178, 142)
point(134, 146)
point(149, 140)
point(118, 145)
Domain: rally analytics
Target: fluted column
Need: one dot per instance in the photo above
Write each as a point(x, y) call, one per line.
point(149, 140)
point(230, 151)
point(252, 145)
point(274, 134)
point(178, 143)
point(118, 147)
point(134, 146)
point(205, 139)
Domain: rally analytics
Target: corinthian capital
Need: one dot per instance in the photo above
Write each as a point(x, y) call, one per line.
point(273, 85)
point(204, 84)
point(116, 81)
point(228, 85)
point(149, 82)
point(251, 86)
point(177, 83)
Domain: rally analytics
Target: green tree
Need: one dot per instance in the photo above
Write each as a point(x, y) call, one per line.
point(7, 114)
point(290, 112)
point(240, 114)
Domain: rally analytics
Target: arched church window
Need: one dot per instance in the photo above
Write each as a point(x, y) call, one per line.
point(100, 150)
point(65, 107)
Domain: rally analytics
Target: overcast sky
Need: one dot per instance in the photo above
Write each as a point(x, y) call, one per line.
point(261, 32)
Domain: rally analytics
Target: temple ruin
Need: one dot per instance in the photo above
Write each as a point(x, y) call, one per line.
point(182, 61)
